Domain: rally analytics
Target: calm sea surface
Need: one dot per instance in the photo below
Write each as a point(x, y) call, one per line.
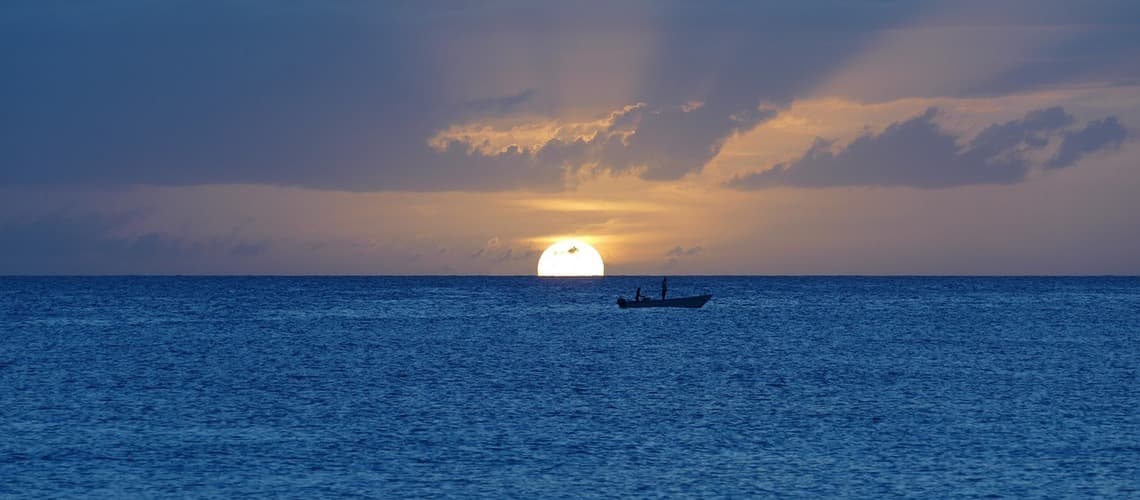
point(528, 387)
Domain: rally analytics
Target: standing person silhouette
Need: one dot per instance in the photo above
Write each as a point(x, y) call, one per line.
point(663, 288)
point(637, 295)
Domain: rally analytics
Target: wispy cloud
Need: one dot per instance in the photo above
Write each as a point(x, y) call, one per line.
point(679, 251)
point(501, 105)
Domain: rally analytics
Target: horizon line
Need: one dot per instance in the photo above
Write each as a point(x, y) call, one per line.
point(884, 275)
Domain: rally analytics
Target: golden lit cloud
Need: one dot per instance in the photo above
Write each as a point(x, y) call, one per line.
point(493, 136)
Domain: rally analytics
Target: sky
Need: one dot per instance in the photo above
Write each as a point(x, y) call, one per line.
point(717, 137)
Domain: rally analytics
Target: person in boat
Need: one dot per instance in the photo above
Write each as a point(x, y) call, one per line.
point(637, 295)
point(663, 288)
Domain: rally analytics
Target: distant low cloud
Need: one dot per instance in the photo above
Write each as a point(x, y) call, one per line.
point(506, 254)
point(78, 243)
point(496, 252)
point(918, 153)
point(679, 251)
point(249, 249)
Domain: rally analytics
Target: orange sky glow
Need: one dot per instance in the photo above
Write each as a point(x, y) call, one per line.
point(531, 136)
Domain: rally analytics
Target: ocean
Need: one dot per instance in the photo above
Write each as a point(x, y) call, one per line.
point(525, 387)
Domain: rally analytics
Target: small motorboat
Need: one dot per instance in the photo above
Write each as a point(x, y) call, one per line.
point(689, 302)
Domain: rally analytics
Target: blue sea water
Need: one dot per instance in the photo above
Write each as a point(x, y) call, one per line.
point(528, 387)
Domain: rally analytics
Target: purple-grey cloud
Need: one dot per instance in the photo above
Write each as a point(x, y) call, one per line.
point(344, 95)
point(1098, 135)
point(918, 153)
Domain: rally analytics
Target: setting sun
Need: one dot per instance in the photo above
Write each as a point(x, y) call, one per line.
point(570, 258)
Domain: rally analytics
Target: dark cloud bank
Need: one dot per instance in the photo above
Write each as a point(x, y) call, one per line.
point(344, 95)
point(919, 153)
